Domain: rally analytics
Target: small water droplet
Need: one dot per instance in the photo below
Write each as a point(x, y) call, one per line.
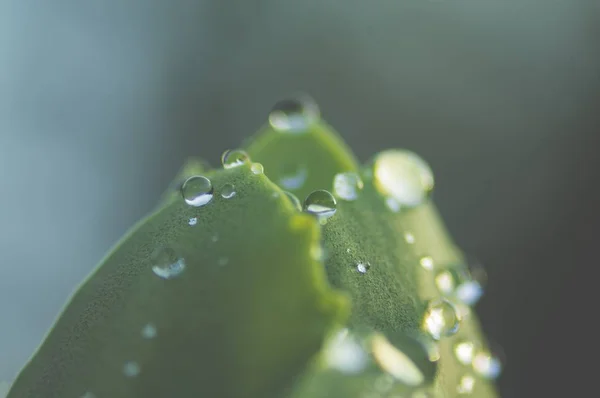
point(464, 351)
point(294, 176)
point(348, 250)
point(466, 384)
point(257, 168)
point(88, 394)
point(167, 264)
point(363, 267)
point(149, 331)
point(223, 261)
point(426, 262)
point(193, 221)
point(404, 176)
point(294, 115)
point(214, 238)
point(131, 369)
point(469, 292)
point(228, 191)
point(441, 319)
point(345, 354)
point(234, 158)
point(294, 199)
point(197, 191)
point(320, 203)
point(487, 365)
point(409, 238)
point(347, 185)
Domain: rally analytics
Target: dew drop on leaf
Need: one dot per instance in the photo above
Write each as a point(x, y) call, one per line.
point(441, 319)
point(228, 191)
point(347, 186)
point(464, 351)
point(149, 331)
point(131, 369)
point(167, 264)
point(487, 365)
point(197, 191)
point(234, 158)
point(466, 384)
point(403, 176)
point(320, 203)
point(294, 115)
point(193, 221)
point(257, 168)
point(409, 238)
point(363, 268)
point(426, 262)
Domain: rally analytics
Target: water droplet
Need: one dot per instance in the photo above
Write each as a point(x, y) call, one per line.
point(363, 267)
point(88, 394)
point(347, 185)
point(193, 221)
point(294, 199)
point(487, 365)
point(464, 351)
point(426, 262)
point(294, 115)
point(466, 384)
point(409, 238)
point(214, 238)
point(228, 191)
point(131, 369)
point(469, 292)
point(197, 191)
point(404, 176)
point(320, 203)
point(345, 354)
point(395, 362)
point(223, 261)
point(348, 250)
point(167, 264)
point(294, 176)
point(149, 331)
point(257, 168)
point(441, 319)
point(234, 158)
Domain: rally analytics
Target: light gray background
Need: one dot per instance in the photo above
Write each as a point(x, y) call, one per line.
point(101, 101)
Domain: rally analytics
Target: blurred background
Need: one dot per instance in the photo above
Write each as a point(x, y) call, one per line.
point(101, 102)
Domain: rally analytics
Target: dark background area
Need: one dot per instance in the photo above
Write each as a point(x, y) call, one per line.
point(101, 102)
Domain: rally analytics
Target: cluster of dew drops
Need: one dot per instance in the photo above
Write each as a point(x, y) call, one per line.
point(404, 180)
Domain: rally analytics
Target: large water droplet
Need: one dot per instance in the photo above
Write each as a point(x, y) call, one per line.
point(441, 319)
point(320, 203)
point(466, 384)
point(294, 199)
point(228, 191)
point(345, 354)
point(294, 176)
point(363, 268)
point(131, 369)
point(487, 365)
point(197, 191)
point(257, 168)
point(464, 351)
point(149, 331)
point(347, 185)
point(234, 158)
point(167, 264)
point(294, 115)
point(404, 176)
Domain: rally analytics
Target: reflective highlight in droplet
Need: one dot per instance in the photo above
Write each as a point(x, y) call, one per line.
point(197, 191)
point(404, 176)
point(294, 176)
point(363, 268)
point(320, 203)
point(441, 319)
point(294, 115)
point(466, 384)
point(131, 369)
point(234, 158)
point(347, 186)
point(464, 351)
point(167, 264)
point(257, 168)
point(395, 362)
point(345, 354)
point(487, 365)
point(228, 191)
point(149, 331)
point(426, 262)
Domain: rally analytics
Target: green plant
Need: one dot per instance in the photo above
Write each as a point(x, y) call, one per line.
point(233, 288)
